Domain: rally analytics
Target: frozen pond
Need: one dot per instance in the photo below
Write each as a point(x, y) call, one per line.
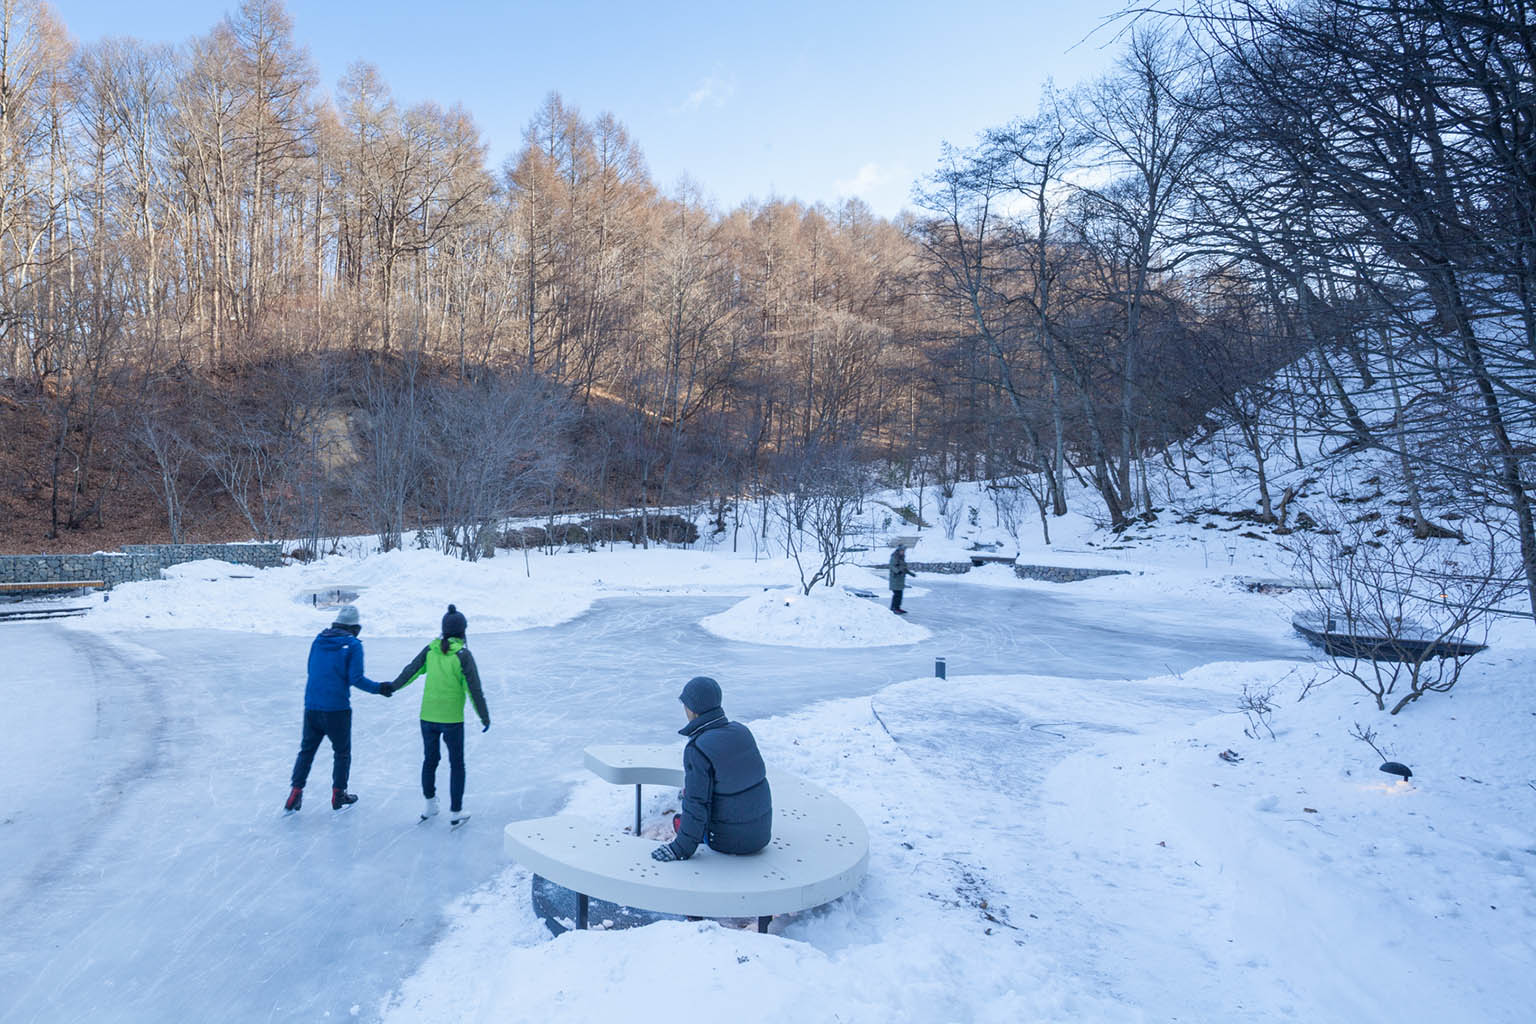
point(147, 874)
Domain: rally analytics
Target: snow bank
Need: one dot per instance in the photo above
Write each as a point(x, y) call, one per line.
point(403, 592)
point(927, 936)
point(1056, 849)
point(826, 617)
point(1334, 891)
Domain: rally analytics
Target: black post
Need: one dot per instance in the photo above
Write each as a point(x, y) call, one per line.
point(581, 911)
point(939, 669)
point(762, 924)
point(637, 808)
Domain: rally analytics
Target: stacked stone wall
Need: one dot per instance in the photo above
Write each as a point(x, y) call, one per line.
point(1044, 573)
point(940, 568)
point(134, 562)
point(259, 556)
point(1063, 574)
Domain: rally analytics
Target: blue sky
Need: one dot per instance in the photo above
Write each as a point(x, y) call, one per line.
point(807, 100)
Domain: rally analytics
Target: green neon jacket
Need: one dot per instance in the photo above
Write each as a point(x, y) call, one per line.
point(451, 677)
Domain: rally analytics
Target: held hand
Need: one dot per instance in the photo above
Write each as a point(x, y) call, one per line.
point(386, 689)
point(663, 853)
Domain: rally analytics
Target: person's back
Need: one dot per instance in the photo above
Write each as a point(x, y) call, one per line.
point(451, 677)
point(329, 671)
point(445, 687)
point(335, 666)
point(727, 803)
point(741, 804)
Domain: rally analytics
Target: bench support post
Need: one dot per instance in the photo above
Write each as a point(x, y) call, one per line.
point(581, 911)
point(637, 808)
point(762, 924)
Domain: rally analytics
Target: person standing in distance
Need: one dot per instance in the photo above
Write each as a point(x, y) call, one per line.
point(898, 576)
point(335, 666)
point(451, 677)
point(726, 800)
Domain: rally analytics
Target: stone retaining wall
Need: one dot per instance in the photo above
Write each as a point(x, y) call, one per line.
point(1063, 574)
point(134, 562)
point(941, 568)
point(258, 556)
point(1045, 573)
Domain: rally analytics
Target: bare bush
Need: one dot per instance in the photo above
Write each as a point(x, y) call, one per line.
point(1009, 503)
point(1416, 610)
point(1258, 706)
point(1365, 734)
point(950, 512)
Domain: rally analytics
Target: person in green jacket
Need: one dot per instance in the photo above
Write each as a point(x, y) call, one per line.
point(451, 676)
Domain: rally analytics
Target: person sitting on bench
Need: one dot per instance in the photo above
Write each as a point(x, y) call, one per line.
point(726, 801)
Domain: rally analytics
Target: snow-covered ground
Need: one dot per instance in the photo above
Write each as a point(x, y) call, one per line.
point(1053, 835)
point(1042, 850)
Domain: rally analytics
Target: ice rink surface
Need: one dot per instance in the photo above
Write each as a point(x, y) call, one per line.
point(146, 870)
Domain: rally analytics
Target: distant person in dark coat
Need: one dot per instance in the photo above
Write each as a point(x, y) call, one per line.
point(726, 801)
point(898, 576)
point(335, 666)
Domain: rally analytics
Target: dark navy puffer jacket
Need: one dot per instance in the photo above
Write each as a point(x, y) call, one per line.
point(726, 800)
point(335, 666)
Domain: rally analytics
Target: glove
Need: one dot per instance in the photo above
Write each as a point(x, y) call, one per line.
point(663, 853)
point(485, 727)
point(386, 689)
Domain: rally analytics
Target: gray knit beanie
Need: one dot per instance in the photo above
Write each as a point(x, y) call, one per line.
point(346, 615)
point(700, 694)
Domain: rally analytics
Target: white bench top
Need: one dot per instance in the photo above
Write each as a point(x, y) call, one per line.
point(651, 764)
point(820, 849)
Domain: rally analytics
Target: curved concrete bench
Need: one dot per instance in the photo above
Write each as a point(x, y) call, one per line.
point(820, 850)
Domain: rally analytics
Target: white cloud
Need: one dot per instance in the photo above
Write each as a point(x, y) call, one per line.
point(868, 179)
point(713, 92)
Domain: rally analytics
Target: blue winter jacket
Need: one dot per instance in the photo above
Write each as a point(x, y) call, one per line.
point(335, 665)
point(726, 800)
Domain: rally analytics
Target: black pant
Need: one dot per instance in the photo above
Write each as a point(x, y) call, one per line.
point(452, 733)
point(895, 600)
point(318, 725)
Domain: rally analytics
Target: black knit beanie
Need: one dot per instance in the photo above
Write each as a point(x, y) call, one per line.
point(454, 623)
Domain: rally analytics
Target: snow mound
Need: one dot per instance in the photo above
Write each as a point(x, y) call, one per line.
point(401, 593)
point(405, 592)
point(827, 617)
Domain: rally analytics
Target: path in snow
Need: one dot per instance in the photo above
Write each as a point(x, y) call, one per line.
point(148, 873)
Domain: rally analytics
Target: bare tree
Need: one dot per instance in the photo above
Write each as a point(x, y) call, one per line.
point(392, 407)
point(172, 450)
point(821, 494)
point(492, 444)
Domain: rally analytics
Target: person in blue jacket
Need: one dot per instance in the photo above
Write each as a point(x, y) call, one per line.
point(726, 800)
point(335, 666)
